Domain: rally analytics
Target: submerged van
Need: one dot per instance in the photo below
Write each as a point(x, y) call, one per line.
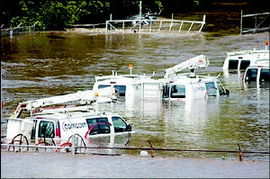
point(240, 60)
point(187, 88)
point(54, 128)
point(258, 74)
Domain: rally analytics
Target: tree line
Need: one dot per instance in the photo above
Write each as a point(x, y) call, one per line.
point(58, 14)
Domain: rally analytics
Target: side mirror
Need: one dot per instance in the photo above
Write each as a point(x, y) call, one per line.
point(129, 128)
point(227, 92)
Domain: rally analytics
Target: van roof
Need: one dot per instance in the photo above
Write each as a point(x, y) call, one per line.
point(70, 115)
point(185, 79)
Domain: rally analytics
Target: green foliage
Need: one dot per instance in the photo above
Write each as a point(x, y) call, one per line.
point(58, 14)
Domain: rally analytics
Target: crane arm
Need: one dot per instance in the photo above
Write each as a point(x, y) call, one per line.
point(196, 62)
point(102, 95)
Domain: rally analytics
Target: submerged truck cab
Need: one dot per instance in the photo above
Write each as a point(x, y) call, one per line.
point(193, 89)
point(257, 74)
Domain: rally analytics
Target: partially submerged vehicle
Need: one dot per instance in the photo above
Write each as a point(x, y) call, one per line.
point(258, 74)
point(172, 86)
point(189, 86)
point(40, 123)
point(240, 60)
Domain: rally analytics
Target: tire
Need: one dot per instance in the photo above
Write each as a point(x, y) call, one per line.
point(19, 139)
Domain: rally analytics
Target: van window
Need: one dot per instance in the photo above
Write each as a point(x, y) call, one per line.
point(100, 126)
point(265, 75)
point(251, 74)
point(103, 86)
point(121, 89)
point(233, 64)
point(211, 89)
point(166, 90)
point(119, 124)
point(178, 91)
point(33, 132)
point(244, 64)
point(46, 129)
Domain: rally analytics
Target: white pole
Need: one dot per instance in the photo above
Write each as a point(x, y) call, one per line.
point(241, 22)
point(110, 20)
point(140, 25)
point(73, 145)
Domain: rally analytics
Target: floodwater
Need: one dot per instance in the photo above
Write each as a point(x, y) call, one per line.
point(38, 65)
point(52, 165)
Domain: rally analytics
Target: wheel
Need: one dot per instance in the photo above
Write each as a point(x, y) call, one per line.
point(79, 143)
point(19, 140)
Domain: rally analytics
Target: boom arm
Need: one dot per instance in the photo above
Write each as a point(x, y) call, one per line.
point(196, 62)
point(102, 95)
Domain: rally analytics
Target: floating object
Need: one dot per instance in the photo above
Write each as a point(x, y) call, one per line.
point(144, 153)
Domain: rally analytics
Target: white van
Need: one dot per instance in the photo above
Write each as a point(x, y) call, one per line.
point(240, 60)
point(56, 128)
point(188, 88)
point(258, 74)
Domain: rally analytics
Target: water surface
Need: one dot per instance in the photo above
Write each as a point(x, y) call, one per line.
point(38, 65)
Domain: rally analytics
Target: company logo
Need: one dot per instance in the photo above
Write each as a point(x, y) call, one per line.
point(69, 126)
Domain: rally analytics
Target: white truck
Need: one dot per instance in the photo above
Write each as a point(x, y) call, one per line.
point(173, 86)
point(44, 122)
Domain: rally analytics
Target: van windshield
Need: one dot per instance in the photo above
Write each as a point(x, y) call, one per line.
point(265, 75)
point(211, 88)
point(233, 64)
point(251, 74)
point(244, 64)
point(103, 86)
point(121, 89)
point(178, 91)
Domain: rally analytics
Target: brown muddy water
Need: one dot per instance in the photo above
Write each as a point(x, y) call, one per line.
point(38, 65)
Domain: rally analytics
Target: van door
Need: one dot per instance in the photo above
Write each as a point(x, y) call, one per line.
point(120, 125)
point(46, 129)
point(98, 126)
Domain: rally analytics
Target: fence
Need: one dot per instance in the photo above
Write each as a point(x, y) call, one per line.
point(154, 25)
point(17, 30)
point(78, 148)
point(260, 22)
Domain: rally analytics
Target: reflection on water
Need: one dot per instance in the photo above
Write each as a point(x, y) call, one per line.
point(45, 64)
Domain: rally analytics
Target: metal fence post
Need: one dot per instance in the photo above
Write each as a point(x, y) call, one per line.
point(152, 149)
point(241, 22)
point(240, 153)
point(73, 145)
